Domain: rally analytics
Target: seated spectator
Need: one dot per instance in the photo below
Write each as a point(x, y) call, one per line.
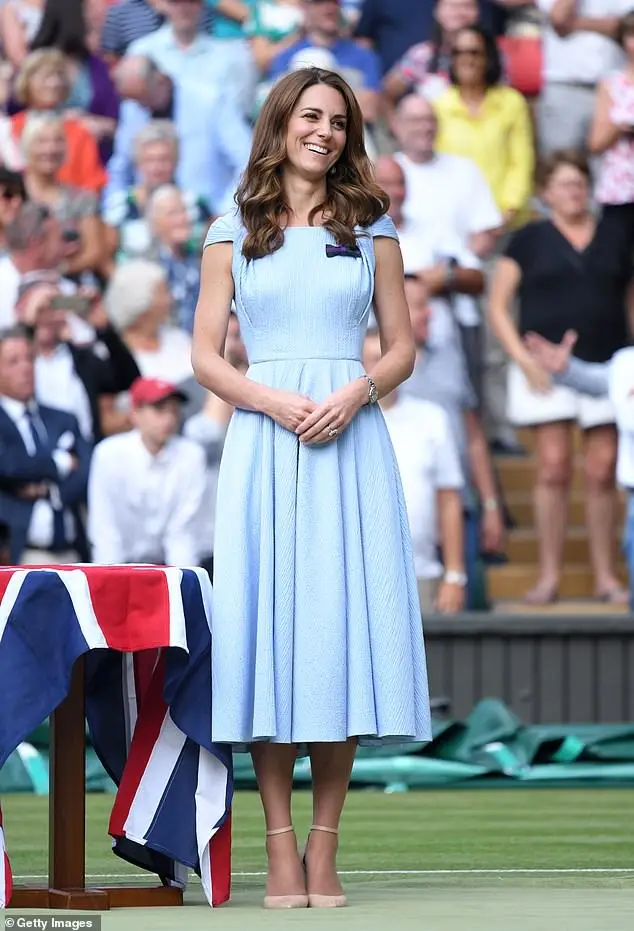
point(614, 378)
point(128, 20)
point(83, 380)
point(92, 99)
point(481, 119)
point(156, 149)
point(612, 135)
point(425, 67)
point(214, 139)
point(208, 428)
point(323, 30)
point(12, 196)
point(432, 485)
point(43, 467)
point(570, 271)
point(42, 84)
point(147, 487)
point(139, 304)
point(19, 23)
point(183, 51)
point(172, 248)
point(44, 147)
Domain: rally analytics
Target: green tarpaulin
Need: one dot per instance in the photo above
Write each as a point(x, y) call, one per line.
point(489, 748)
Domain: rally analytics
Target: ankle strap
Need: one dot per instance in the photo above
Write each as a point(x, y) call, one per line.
point(322, 827)
point(286, 830)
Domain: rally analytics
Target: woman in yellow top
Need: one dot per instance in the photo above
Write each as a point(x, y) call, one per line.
point(488, 122)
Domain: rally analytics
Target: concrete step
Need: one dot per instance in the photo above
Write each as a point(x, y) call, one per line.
point(567, 606)
point(520, 504)
point(511, 582)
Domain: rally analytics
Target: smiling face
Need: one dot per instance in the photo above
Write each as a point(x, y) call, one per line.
point(47, 150)
point(316, 132)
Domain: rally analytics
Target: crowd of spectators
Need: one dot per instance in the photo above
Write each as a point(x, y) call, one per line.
point(503, 132)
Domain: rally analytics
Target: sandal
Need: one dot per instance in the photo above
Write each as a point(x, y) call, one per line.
point(316, 899)
point(297, 900)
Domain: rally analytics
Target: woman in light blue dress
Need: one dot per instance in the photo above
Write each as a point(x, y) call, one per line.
point(316, 631)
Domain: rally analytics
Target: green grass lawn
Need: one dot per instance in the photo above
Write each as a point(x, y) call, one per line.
point(520, 829)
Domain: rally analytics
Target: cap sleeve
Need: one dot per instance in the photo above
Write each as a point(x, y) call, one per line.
point(384, 226)
point(224, 229)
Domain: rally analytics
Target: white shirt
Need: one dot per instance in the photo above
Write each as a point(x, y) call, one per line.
point(448, 192)
point(428, 462)
point(40, 532)
point(144, 508)
point(582, 57)
point(58, 385)
point(171, 361)
point(621, 394)
point(424, 246)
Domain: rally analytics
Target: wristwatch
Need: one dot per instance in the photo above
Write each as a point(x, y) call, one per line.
point(373, 391)
point(453, 577)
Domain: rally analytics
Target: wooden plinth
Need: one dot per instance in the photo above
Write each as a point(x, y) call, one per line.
point(67, 825)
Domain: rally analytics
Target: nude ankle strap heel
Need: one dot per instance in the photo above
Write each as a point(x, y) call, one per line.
point(284, 901)
point(315, 899)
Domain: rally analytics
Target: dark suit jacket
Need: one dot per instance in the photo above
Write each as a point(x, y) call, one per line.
point(18, 468)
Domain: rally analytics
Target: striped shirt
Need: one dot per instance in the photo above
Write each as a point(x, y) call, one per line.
point(132, 19)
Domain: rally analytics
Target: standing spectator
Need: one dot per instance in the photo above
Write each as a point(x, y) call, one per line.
point(432, 484)
point(43, 467)
point(214, 139)
point(481, 119)
point(570, 271)
point(612, 135)
point(43, 85)
point(44, 146)
point(155, 153)
point(425, 66)
point(171, 247)
point(12, 196)
point(92, 98)
point(323, 29)
point(19, 23)
point(139, 304)
point(128, 20)
point(578, 52)
point(147, 487)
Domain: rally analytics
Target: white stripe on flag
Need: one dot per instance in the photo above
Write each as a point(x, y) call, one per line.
point(10, 597)
point(211, 794)
point(76, 584)
point(130, 700)
point(154, 781)
point(4, 877)
point(178, 628)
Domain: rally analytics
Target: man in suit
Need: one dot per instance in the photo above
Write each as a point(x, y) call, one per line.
point(44, 463)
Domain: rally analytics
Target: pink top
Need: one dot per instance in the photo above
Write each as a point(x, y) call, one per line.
point(615, 184)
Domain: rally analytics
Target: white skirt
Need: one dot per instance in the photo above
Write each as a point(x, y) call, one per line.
point(528, 408)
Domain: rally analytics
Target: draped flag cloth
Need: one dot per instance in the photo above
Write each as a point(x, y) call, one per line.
point(145, 633)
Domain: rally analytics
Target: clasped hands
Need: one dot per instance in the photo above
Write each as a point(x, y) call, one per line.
point(314, 423)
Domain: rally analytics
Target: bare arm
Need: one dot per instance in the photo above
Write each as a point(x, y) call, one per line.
point(440, 280)
point(394, 86)
point(481, 244)
point(603, 132)
point(492, 525)
point(392, 314)
point(233, 9)
point(91, 247)
point(451, 526)
point(264, 51)
point(506, 280)
point(13, 36)
point(564, 20)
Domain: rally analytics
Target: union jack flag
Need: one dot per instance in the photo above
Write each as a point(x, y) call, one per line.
point(145, 633)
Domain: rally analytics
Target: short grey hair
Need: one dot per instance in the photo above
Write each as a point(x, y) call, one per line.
point(158, 131)
point(130, 291)
point(35, 123)
point(27, 225)
point(163, 193)
point(15, 331)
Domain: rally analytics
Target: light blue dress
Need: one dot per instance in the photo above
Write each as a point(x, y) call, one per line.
point(316, 626)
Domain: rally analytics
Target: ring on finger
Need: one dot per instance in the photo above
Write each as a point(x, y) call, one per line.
point(332, 432)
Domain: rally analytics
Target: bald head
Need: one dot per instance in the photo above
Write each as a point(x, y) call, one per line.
point(138, 78)
point(391, 178)
point(415, 127)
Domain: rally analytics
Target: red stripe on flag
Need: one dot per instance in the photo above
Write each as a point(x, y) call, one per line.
point(144, 664)
point(6, 574)
point(220, 863)
point(7, 881)
point(132, 607)
point(146, 734)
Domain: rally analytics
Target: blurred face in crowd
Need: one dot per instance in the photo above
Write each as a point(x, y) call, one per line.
point(469, 59)
point(452, 15)
point(235, 352)
point(184, 16)
point(567, 193)
point(415, 127)
point(419, 310)
point(34, 308)
point(157, 164)
point(322, 16)
point(47, 151)
point(10, 202)
point(316, 131)
point(170, 220)
point(390, 177)
point(157, 423)
point(48, 87)
point(16, 369)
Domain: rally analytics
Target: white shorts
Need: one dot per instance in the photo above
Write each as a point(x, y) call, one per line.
point(528, 408)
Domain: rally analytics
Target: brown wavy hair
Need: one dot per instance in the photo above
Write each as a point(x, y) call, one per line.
point(353, 198)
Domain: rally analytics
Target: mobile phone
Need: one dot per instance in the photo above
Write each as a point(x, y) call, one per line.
point(74, 303)
point(70, 236)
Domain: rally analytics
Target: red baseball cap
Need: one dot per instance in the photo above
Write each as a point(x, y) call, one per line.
point(153, 391)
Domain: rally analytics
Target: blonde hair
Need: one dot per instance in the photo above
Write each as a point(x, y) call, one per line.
point(35, 123)
point(33, 62)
